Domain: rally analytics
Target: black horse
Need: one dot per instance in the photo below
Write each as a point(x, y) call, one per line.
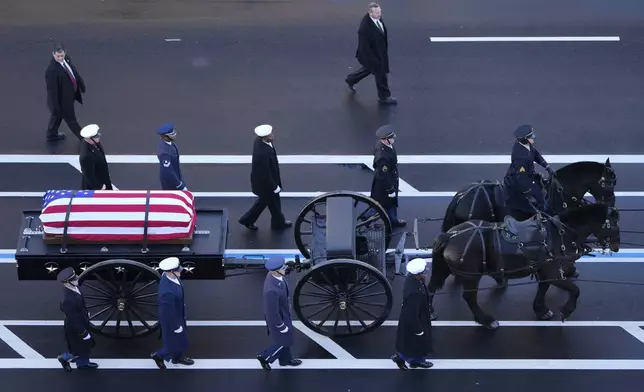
point(541, 246)
point(485, 200)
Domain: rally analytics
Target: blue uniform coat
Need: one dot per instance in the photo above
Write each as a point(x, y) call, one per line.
point(522, 180)
point(172, 315)
point(76, 324)
point(277, 311)
point(385, 178)
point(170, 172)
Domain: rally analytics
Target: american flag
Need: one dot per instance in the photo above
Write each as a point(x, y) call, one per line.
point(118, 215)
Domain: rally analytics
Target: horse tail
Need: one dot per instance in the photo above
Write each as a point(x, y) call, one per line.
point(440, 269)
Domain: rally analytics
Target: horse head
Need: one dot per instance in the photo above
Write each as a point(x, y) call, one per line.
point(571, 182)
point(598, 219)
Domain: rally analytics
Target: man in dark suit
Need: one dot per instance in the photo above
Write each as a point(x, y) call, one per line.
point(168, 155)
point(278, 316)
point(64, 86)
point(79, 341)
point(372, 54)
point(94, 169)
point(265, 182)
point(172, 316)
point(414, 332)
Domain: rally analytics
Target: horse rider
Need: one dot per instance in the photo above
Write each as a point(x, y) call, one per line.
point(79, 341)
point(168, 155)
point(522, 181)
point(384, 187)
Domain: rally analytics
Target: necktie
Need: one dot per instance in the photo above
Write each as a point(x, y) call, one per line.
point(380, 27)
point(71, 76)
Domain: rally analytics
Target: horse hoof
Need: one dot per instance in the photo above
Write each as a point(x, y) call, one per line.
point(546, 316)
point(564, 317)
point(492, 326)
point(433, 316)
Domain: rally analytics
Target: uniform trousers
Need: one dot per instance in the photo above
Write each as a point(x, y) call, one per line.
point(412, 360)
point(274, 204)
point(381, 81)
point(79, 361)
point(276, 351)
point(392, 213)
point(168, 355)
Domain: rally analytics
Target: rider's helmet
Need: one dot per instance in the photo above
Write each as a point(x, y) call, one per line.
point(524, 132)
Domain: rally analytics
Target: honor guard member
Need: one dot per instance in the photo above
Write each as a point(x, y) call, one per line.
point(414, 332)
point(524, 186)
point(265, 182)
point(384, 188)
point(168, 155)
point(76, 326)
point(278, 316)
point(96, 173)
point(172, 316)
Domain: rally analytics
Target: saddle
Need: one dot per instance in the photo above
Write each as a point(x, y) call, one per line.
point(525, 231)
point(528, 237)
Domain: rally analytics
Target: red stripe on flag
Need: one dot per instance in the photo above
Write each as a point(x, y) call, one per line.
point(118, 223)
point(99, 208)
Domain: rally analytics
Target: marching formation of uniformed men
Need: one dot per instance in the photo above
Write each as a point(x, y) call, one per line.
point(94, 169)
point(384, 188)
point(265, 182)
point(523, 182)
point(168, 155)
point(414, 332)
point(79, 340)
point(64, 86)
point(172, 316)
point(277, 312)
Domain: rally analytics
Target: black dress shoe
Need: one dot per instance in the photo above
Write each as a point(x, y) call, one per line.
point(399, 223)
point(351, 86)
point(89, 366)
point(58, 136)
point(159, 361)
point(64, 363)
point(249, 227)
point(399, 362)
point(424, 365)
point(292, 362)
point(183, 361)
point(388, 101)
point(284, 225)
point(265, 365)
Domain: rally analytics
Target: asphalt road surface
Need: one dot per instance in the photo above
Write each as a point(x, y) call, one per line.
point(220, 68)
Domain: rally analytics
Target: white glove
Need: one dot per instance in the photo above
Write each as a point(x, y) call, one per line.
point(185, 188)
point(104, 187)
point(420, 334)
point(179, 330)
point(277, 190)
point(285, 330)
point(392, 194)
point(88, 337)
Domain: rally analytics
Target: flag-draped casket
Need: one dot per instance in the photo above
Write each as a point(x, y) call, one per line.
point(112, 216)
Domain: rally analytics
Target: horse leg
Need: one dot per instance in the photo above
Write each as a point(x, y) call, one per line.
point(470, 295)
point(539, 303)
point(573, 295)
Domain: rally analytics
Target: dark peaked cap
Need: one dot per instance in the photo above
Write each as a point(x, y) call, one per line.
point(386, 131)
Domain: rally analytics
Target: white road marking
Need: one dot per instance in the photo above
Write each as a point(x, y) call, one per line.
point(635, 331)
point(388, 323)
point(409, 191)
point(325, 159)
point(323, 341)
point(526, 39)
point(403, 185)
point(17, 344)
point(173, 40)
point(342, 364)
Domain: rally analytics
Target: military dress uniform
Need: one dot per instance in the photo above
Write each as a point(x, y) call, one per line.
point(521, 179)
point(384, 187)
point(79, 341)
point(172, 316)
point(168, 155)
point(414, 332)
point(278, 317)
point(94, 169)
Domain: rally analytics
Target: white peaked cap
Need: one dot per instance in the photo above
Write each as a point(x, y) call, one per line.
point(416, 266)
point(169, 264)
point(90, 130)
point(263, 130)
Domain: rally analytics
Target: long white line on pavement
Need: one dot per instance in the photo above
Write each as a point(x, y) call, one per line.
point(323, 341)
point(526, 39)
point(407, 191)
point(388, 323)
point(342, 364)
point(17, 344)
point(324, 159)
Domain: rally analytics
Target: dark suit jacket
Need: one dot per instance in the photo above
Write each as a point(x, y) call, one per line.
point(373, 48)
point(60, 89)
point(265, 171)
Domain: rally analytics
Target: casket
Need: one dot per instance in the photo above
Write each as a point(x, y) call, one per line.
point(113, 217)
